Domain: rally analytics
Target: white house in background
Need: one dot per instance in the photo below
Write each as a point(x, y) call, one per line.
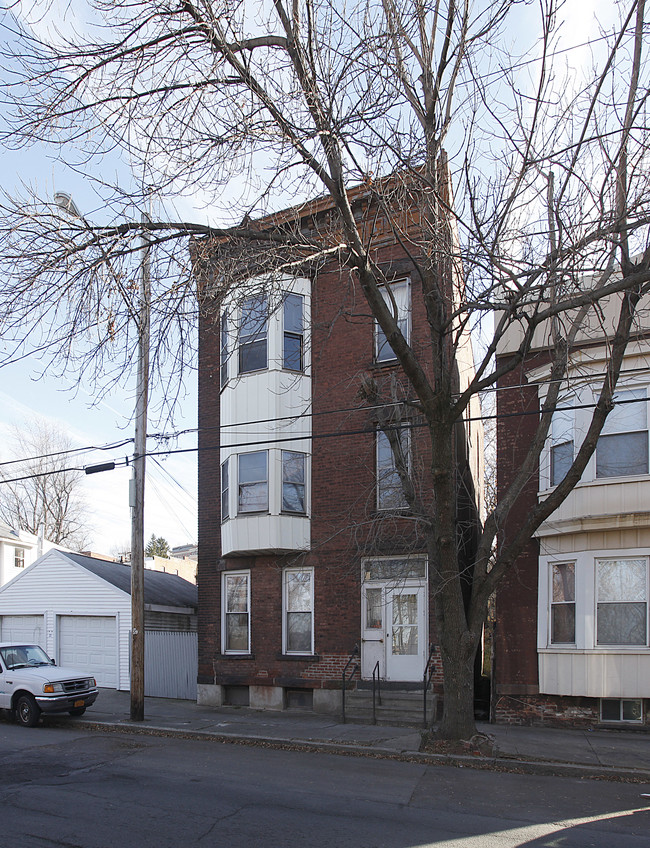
point(19, 549)
point(184, 567)
point(78, 609)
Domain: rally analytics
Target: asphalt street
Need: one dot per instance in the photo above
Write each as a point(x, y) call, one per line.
point(74, 787)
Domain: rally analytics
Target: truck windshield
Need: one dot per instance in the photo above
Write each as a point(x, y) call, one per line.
point(23, 656)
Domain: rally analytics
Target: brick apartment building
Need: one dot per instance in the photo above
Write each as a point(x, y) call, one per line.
point(571, 642)
point(305, 547)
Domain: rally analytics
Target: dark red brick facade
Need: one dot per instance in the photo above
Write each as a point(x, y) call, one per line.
point(345, 525)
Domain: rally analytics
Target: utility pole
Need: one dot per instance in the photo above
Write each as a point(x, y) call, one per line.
point(137, 488)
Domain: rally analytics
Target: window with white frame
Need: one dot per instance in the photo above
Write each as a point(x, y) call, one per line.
point(236, 604)
point(390, 492)
point(398, 299)
point(621, 601)
point(561, 456)
point(225, 491)
point(622, 448)
point(223, 349)
point(298, 608)
point(253, 482)
point(293, 482)
point(253, 330)
point(293, 332)
point(19, 557)
point(621, 709)
point(563, 603)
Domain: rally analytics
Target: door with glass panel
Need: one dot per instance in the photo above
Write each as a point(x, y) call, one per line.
point(394, 626)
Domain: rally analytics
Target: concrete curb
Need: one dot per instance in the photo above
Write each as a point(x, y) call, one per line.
point(548, 768)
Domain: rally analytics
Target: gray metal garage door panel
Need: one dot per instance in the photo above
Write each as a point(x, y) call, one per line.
point(89, 642)
point(29, 629)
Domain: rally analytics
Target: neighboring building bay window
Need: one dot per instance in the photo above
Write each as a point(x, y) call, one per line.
point(390, 493)
point(562, 426)
point(621, 595)
point(622, 448)
point(298, 609)
point(399, 297)
point(563, 606)
point(253, 330)
point(253, 482)
point(293, 482)
point(235, 597)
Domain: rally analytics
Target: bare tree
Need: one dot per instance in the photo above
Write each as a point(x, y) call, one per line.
point(253, 104)
point(40, 493)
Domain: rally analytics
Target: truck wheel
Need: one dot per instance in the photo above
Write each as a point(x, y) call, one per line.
point(77, 711)
point(27, 711)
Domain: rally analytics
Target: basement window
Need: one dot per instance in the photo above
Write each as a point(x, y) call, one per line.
point(629, 710)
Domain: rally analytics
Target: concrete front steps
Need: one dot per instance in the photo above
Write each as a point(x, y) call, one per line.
point(399, 707)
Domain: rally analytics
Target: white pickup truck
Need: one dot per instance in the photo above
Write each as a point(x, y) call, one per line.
point(30, 684)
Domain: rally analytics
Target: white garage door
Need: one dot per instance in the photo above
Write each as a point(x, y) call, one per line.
point(29, 629)
point(89, 642)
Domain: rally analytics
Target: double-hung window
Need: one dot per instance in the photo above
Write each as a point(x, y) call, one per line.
point(621, 601)
point(622, 448)
point(398, 300)
point(236, 605)
point(19, 557)
point(390, 492)
point(225, 491)
point(293, 482)
point(563, 603)
point(562, 425)
point(298, 606)
point(253, 482)
point(293, 332)
point(223, 349)
point(253, 330)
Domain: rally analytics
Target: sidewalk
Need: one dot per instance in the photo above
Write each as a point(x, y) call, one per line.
point(609, 754)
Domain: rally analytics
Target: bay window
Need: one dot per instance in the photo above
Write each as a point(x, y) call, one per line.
point(563, 606)
point(293, 482)
point(253, 329)
point(253, 482)
point(293, 332)
point(622, 448)
point(621, 601)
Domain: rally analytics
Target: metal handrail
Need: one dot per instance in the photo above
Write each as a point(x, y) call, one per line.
point(429, 669)
point(355, 653)
point(376, 680)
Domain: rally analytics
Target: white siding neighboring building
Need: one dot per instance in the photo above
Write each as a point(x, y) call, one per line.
point(18, 550)
point(78, 609)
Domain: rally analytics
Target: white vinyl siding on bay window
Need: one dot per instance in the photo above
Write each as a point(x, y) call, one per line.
point(298, 611)
point(235, 612)
point(398, 299)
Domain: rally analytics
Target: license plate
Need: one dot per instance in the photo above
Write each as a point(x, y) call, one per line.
point(80, 703)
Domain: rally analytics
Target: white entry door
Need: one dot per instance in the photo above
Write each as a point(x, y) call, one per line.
point(406, 636)
point(394, 631)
